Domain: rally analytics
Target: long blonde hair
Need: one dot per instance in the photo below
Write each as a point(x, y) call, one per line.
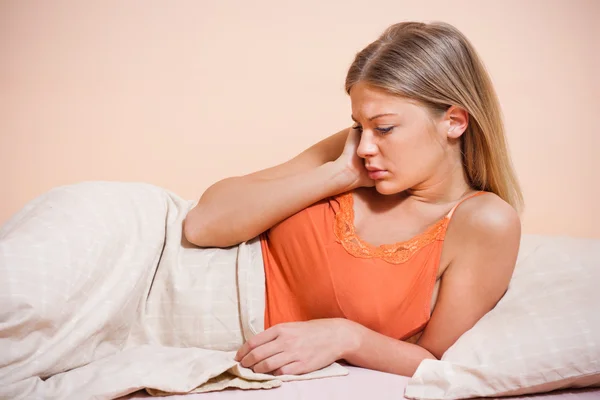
point(435, 64)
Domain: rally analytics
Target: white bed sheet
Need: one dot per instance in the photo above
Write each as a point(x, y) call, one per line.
point(363, 384)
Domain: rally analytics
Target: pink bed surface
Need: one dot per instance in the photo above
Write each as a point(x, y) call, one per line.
point(359, 384)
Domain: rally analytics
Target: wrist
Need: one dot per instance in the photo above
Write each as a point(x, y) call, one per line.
point(350, 338)
point(342, 179)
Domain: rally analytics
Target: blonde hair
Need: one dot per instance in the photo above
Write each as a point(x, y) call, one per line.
point(436, 65)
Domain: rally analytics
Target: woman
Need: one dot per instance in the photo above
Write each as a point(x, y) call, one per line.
point(387, 241)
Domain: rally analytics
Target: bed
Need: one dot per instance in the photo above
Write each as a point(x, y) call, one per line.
point(133, 311)
point(359, 384)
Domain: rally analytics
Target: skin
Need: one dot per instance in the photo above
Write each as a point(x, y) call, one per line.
point(423, 180)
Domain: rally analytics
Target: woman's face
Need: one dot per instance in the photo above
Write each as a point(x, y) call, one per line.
point(400, 142)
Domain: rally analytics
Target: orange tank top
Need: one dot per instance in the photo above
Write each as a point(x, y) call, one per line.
point(317, 267)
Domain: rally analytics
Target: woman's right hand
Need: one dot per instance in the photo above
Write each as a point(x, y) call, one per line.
point(352, 164)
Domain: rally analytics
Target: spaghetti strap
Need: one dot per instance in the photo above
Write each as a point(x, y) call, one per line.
point(463, 200)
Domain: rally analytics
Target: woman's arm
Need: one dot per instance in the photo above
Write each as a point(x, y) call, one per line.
point(237, 209)
point(483, 239)
point(373, 350)
point(483, 242)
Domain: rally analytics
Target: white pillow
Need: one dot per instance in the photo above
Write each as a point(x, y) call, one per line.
point(543, 335)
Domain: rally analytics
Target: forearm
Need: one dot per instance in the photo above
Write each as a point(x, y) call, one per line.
point(373, 350)
point(238, 209)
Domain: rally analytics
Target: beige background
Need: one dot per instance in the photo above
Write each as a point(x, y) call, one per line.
point(181, 94)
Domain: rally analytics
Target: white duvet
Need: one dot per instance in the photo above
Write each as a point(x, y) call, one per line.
point(100, 295)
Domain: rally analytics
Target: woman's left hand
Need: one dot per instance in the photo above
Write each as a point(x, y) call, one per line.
point(296, 348)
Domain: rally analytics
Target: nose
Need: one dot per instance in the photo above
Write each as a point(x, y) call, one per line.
point(367, 146)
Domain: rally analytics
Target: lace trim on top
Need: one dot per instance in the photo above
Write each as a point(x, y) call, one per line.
point(395, 253)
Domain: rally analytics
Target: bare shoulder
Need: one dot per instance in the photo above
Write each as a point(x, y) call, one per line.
point(487, 215)
point(484, 224)
point(480, 250)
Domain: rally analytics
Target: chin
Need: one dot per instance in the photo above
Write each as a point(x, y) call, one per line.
point(388, 187)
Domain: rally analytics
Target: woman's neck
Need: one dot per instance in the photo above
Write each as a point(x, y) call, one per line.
point(447, 185)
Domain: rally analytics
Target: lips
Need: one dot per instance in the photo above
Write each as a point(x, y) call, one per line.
point(375, 173)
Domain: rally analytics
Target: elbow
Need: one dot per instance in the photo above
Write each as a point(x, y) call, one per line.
point(191, 229)
point(431, 356)
point(196, 229)
point(203, 231)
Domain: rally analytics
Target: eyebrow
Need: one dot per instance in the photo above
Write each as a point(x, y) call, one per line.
point(374, 116)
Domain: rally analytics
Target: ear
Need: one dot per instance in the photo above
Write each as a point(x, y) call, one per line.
point(456, 120)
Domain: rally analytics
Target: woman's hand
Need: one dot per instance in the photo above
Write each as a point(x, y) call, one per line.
point(352, 164)
point(298, 347)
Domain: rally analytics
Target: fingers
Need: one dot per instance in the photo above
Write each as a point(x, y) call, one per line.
point(275, 362)
point(293, 368)
point(352, 141)
point(256, 341)
point(261, 353)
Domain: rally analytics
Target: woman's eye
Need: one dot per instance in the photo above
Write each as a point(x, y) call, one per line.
point(384, 130)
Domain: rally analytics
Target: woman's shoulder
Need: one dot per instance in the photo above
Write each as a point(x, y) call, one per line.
point(486, 213)
point(485, 221)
